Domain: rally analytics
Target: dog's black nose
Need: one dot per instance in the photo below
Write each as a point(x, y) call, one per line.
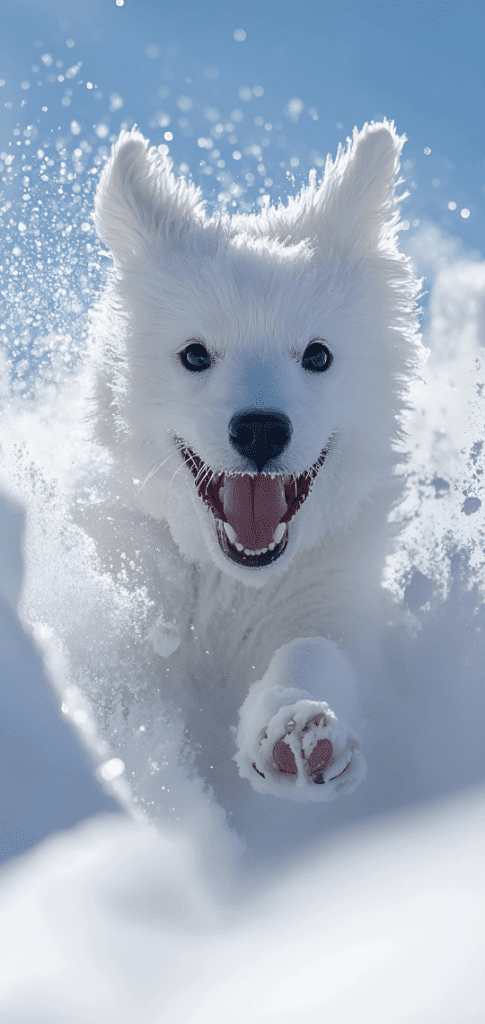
point(260, 436)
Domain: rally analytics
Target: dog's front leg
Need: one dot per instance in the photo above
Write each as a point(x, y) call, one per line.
point(293, 738)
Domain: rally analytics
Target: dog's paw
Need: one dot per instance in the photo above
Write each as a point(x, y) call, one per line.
point(306, 753)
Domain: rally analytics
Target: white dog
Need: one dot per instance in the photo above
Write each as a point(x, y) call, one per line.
point(251, 376)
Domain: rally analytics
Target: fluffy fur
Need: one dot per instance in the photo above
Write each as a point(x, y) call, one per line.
point(253, 292)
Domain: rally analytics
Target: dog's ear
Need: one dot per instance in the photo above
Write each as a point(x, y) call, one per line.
point(359, 192)
point(140, 203)
point(356, 197)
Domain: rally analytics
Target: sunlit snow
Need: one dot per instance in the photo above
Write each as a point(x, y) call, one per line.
point(180, 906)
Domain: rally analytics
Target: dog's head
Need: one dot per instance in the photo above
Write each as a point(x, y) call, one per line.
point(257, 363)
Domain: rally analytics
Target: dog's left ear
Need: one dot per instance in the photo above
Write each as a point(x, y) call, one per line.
point(139, 203)
point(356, 197)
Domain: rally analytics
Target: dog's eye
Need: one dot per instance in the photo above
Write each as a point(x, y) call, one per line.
point(317, 357)
point(195, 357)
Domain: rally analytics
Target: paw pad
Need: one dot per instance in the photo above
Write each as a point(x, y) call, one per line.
point(285, 758)
point(304, 753)
point(316, 763)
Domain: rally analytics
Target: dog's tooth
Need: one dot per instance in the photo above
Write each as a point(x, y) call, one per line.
point(231, 533)
point(279, 533)
point(271, 546)
point(239, 547)
point(263, 551)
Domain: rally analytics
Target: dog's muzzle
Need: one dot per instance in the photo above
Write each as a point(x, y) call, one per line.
point(254, 510)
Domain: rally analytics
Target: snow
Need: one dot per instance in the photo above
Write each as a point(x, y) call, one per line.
point(47, 780)
point(131, 891)
point(111, 922)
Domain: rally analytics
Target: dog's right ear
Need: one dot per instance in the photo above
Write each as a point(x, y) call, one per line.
point(140, 204)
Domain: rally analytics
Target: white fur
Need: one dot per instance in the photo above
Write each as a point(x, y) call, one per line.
point(255, 290)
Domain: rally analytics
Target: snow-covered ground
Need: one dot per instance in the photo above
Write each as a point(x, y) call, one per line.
point(112, 924)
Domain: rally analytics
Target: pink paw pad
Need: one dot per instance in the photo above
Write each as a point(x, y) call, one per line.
point(285, 758)
point(300, 750)
point(317, 761)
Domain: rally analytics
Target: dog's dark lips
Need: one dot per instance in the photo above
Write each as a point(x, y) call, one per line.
point(210, 486)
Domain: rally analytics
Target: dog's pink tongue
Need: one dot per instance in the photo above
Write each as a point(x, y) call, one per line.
point(253, 506)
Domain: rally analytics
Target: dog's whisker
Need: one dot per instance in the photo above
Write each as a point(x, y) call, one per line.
point(155, 468)
point(178, 470)
point(200, 475)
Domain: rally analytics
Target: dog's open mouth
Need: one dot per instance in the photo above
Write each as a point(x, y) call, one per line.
point(253, 512)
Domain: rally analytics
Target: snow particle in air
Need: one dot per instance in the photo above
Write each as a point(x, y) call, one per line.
point(115, 101)
point(245, 94)
point(452, 206)
point(426, 151)
point(294, 108)
point(465, 213)
point(212, 114)
point(160, 120)
point(239, 35)
point(112, 769)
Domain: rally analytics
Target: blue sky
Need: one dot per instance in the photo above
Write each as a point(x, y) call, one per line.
point(420, 64)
